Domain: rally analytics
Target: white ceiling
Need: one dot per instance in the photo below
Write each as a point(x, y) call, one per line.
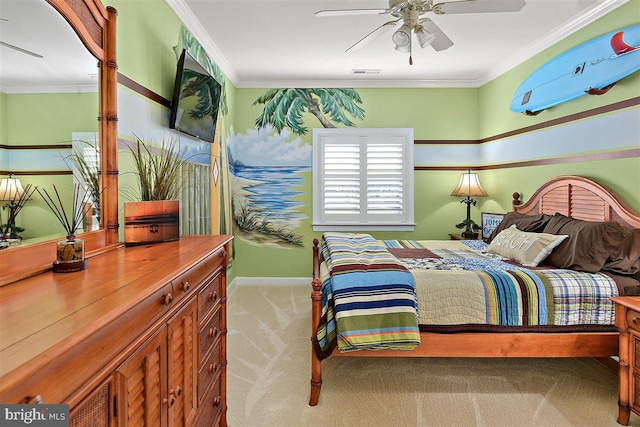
point(65, 66)
point(280, 43)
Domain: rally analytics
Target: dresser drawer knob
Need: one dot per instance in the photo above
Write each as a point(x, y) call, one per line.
point(213, 368)
point(213, 332)
point(216, 401)
point(635, 320)
point(167, 299)
point(185, 286)
point(32, 400)
point(213, 296)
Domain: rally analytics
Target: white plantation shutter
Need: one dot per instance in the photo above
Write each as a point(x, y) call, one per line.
point(363, 179)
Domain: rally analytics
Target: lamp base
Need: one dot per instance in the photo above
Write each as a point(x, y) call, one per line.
point(470, 234)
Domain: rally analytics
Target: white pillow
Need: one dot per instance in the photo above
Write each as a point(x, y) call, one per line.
point(529, 249)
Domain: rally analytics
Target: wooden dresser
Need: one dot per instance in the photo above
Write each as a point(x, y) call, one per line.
point(139, 338)
point(628, 322)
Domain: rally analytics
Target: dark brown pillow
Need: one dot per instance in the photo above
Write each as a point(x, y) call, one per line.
point(588, 246)
point(626, 258)
point(530, 223)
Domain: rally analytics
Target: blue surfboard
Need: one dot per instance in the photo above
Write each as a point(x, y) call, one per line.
point(592, 67)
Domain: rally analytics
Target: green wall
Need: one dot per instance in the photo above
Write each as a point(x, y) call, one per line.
point(46, 119)
point(622, 175)
point(3, 118)
point(147, 31)
point(451, 114)
point(495, 96)
point(50, 118)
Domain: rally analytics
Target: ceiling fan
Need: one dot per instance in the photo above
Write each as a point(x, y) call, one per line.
point(410, 16)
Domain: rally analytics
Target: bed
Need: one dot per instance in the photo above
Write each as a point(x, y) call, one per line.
point(571, 206)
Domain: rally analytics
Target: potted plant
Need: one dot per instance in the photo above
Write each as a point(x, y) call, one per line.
point(86, 160)
point(155, 217)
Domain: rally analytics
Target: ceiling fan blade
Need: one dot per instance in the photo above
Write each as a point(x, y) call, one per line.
point(19, 49)
point(346, 12)
point(441, 42)
point(479, 6)
point(382, 29)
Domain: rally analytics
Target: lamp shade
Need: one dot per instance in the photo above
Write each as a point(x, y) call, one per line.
point(10, 189)
point(469, 185)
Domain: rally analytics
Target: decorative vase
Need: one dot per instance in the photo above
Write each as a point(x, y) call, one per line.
point(69, 255)
point(151, 221)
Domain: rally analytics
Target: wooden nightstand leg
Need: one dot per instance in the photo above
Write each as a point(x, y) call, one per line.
point(623, 377)
point(623, 416)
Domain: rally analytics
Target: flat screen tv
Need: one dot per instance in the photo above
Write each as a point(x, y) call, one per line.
point(196, 100)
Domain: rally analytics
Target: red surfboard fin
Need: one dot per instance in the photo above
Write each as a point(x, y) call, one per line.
point(618, 45)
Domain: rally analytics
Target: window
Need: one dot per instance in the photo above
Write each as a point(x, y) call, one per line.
point(362, 179)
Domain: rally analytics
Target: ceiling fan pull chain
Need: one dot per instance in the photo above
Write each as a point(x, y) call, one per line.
point(410, 50)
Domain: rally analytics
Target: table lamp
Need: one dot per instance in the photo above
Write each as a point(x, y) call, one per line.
point(11, 191)
point(469, 186)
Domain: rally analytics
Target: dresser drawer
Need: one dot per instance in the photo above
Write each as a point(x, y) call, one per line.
point(209, 370)
point(633, 320)
point(209, 410)
point(209, 298)
point(195, 275)
point(209, 334)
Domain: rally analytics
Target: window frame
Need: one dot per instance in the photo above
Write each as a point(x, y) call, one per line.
point(363, 221)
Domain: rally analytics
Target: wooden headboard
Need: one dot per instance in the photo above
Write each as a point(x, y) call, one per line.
point(579, 198)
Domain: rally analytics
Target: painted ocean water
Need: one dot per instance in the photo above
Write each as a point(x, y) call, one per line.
point(275, 196)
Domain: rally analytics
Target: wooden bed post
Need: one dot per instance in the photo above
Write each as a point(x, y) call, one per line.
point(316, 313)
point(516, 200)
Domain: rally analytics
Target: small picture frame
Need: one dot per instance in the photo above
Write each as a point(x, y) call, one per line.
point(489, 223)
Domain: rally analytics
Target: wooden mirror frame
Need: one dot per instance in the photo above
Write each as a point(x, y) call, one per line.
point(95, 25)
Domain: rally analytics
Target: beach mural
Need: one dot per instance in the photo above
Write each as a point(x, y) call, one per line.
point(268, 163)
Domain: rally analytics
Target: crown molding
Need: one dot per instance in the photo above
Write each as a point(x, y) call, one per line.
point(72, 88)
point(194, 26)
point(589, 16)
point(359, 83)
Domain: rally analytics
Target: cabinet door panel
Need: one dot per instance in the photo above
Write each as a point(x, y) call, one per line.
point(95, 409)
point(181, 332)
point(141, 385)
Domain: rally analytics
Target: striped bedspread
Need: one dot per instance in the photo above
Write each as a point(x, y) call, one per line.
point(369, 299)
point(458, 283)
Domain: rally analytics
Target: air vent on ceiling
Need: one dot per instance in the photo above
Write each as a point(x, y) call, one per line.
point(362, 71)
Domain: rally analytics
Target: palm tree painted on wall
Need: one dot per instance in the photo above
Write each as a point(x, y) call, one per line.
point(286, 107)
point(195, 49)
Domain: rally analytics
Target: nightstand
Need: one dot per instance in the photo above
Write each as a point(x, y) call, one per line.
point(628, 322)
point(458, 236)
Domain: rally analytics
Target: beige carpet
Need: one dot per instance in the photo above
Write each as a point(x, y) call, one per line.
point(269, 373)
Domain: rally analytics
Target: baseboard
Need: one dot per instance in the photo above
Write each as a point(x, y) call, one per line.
point(268, 281)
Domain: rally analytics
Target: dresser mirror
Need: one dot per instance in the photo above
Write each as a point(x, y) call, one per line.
point(90, 79)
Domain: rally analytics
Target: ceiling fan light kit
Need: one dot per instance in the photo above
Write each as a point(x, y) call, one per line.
point(402, 36)
point(425, 37)
point(410, 15)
